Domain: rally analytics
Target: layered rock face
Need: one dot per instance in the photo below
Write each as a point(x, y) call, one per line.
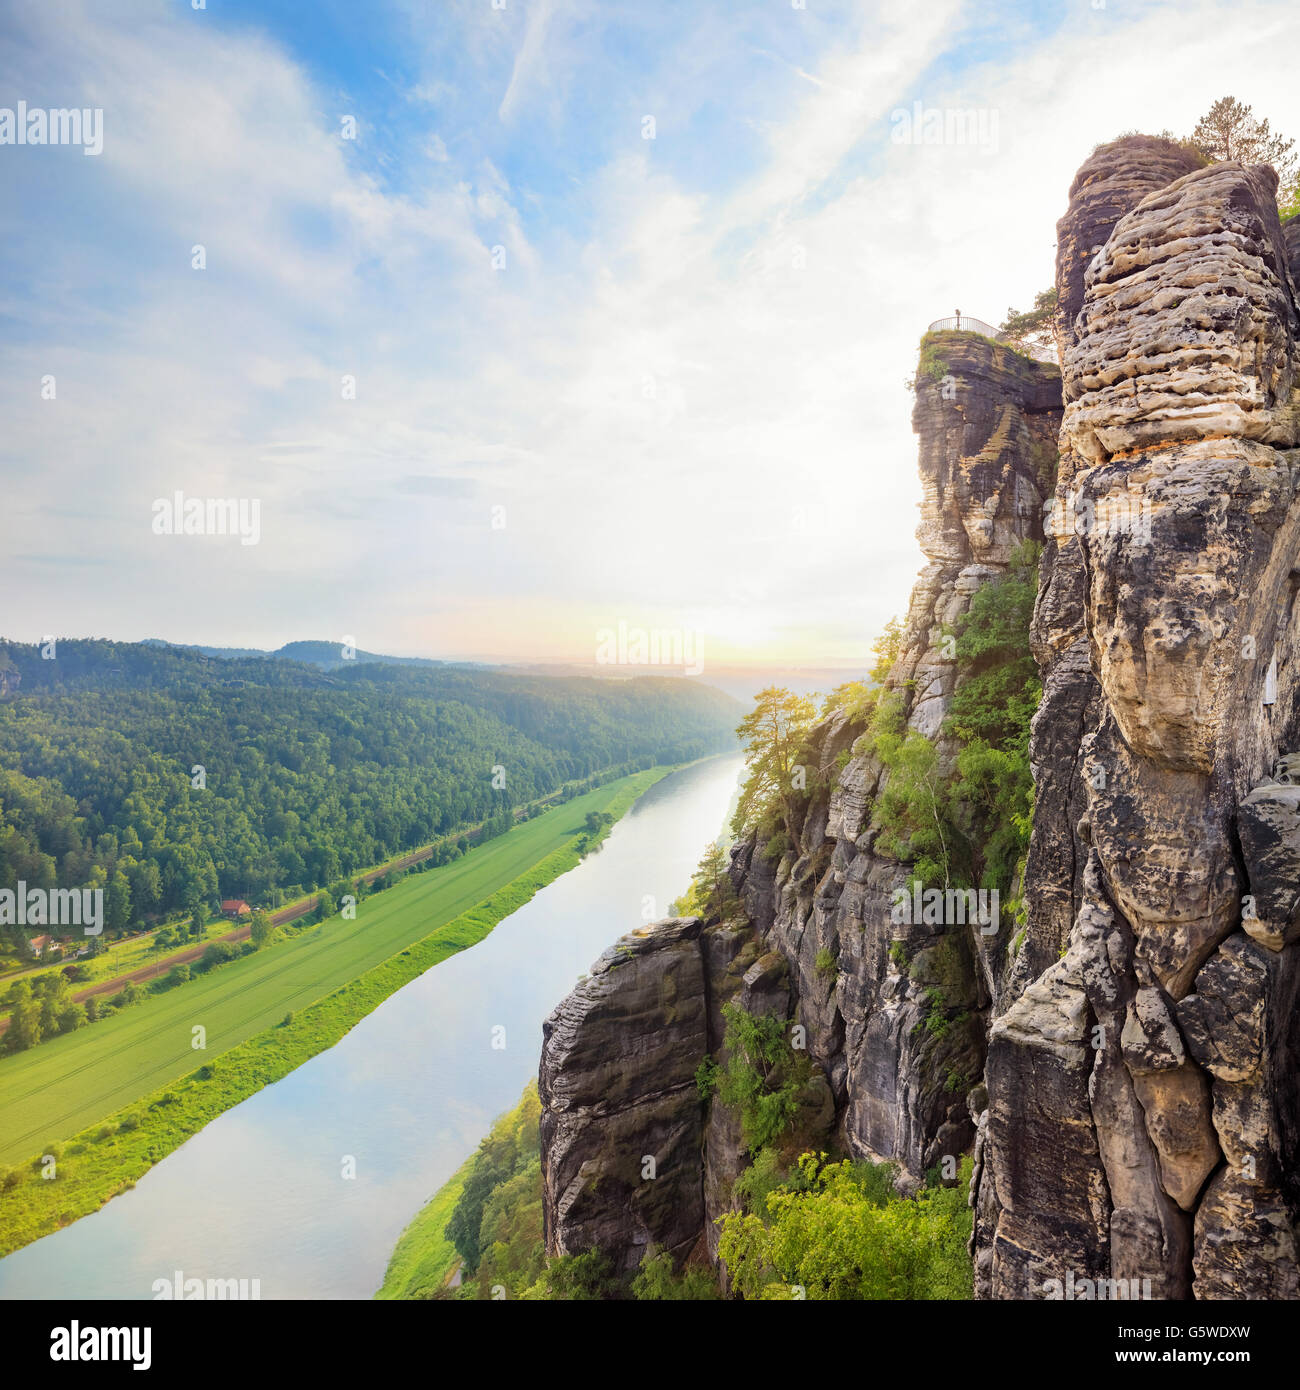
point(987, 420)
point(1127, 1068)
point(632, 1157)
point(1142, 1115)
point(621, 1115)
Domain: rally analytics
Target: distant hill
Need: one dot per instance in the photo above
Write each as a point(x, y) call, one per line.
point(326, 655)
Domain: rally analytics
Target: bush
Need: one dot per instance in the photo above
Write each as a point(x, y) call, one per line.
point(72, 1018)
point(706, 1077)
point(762, 1076)
point(837, 1233)
point(583, 1278)
point(658, 1281)
point(217, 954)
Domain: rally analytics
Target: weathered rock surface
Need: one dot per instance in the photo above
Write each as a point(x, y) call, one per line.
point(631, 1154)
point(1127, 1067)
point(1291, 239)
point(617, 1086)
point(1109, 184)
point(1165, 630)
point(1268, 822)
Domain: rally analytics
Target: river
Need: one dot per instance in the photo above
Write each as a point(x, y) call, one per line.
point(402, 1100)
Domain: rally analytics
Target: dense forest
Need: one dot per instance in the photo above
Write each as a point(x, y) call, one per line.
point(174, 779)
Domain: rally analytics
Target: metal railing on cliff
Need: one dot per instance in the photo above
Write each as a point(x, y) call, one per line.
point(963, 323)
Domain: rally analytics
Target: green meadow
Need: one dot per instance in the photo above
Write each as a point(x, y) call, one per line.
point(60, 1088)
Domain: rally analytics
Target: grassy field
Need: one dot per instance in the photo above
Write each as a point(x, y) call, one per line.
point(109, 1155)
point(53, 1091)
point(118, 959)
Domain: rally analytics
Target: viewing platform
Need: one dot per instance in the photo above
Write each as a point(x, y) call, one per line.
point(963, 323)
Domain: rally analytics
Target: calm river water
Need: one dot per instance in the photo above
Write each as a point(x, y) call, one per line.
point(407, 1095)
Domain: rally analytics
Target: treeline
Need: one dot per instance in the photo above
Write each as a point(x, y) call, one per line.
point(173, 780)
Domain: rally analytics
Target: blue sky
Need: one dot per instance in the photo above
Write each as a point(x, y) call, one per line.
point(676, 400)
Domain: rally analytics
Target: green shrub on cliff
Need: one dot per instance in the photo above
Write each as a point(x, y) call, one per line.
point(710, 894)
point(585, 1278)
point(832, 1233)
point(762, 1076)
point(912, 810)
point(997, 678)
point(930, 364)
point(969, 822)
point(997, 692)
point(657, 1281)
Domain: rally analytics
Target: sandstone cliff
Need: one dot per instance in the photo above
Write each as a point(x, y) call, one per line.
point(987, 419)
point(1123, 1063)
point(1142, 1114)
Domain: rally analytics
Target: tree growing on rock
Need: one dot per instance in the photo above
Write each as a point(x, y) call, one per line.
point(774, 735)
point(1230, 130)
point(710, 894)
point(1033, 327)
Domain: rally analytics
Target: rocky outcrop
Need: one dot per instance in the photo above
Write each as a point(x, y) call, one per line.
point(896, 1027)
point(1142, 1093)
point(622, 1120)
point(1125, 1067)
point(1110, 183)
point(632, 1155)
point(1291, 239)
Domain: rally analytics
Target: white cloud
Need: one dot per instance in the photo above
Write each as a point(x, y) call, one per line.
point(689, 400)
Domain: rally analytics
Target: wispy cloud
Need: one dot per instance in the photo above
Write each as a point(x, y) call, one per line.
point(594, 374)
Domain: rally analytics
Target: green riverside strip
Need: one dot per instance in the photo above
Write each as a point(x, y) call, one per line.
point(124, 1092)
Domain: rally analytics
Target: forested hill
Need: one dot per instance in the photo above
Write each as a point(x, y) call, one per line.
point(306, 774)
point(328, 655)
